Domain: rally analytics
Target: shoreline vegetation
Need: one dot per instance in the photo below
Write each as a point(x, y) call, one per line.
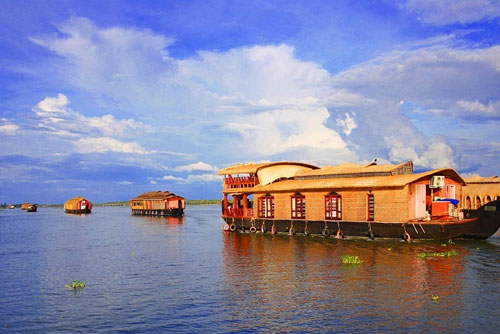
point(117, 203)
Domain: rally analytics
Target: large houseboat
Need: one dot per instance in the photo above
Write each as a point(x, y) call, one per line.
point(158, 203)
point(78, 205)
point(352, 200)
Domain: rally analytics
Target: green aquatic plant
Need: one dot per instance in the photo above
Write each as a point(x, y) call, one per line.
point(75, 285)
point(434, 297)
point(389, 249)
point(450, 242)
point(424, 255)
point(351, 259)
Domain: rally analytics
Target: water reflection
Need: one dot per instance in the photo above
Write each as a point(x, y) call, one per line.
point(161, 219)
point(298, 283)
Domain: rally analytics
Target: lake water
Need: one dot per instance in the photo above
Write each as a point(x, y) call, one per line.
point(171, 275)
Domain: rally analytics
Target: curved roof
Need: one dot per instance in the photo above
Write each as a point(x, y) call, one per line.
point(480, 179)
point(349, 168)
point(388, 181)
point(74, 201)
point(252, 168)
point(158, 195)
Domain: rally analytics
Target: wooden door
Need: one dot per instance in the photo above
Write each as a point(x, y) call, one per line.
point(420, 201)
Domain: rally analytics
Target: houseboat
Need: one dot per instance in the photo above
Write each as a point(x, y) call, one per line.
point(31, 208)
point(25, 206)
point(158, 203)
point(78, 205)
point(479, 191)
point(351, 200)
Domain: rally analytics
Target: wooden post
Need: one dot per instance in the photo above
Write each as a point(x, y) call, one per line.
point(245, 205)
point(225, 204)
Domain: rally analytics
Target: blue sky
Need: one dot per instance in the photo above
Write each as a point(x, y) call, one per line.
point(110, 99)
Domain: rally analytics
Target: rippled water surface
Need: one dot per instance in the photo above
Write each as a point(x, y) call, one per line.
point(159, 275)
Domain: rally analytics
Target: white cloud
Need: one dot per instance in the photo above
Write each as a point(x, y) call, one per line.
point(106, 144)
point(109, 60)
point(55, 116)
point(443, 12)
point(201, 166)
point(194, 178)
point(348, 124)
point(262, 102)
point(153, 182)
point(474, 109)
point(273, 132)
point(7, 127)
point(435, 154)
point(126, 183)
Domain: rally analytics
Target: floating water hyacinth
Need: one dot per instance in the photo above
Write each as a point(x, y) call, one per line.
point(451, 242)
point(75, 285)
point(434, 297)
point(424, 255)
point(389, 249)
point(351, 259)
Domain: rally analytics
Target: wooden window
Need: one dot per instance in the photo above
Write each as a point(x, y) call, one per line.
point(266, 207)
point(298, 207)
point(371, 207)
point(333, 207)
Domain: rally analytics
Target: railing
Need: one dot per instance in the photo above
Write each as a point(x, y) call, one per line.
point(240, 182)
point(238, 212)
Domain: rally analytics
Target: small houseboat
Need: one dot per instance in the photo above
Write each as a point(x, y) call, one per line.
point(31, 208)
point(25, 206)
point(158, 203)
point(78, 205)
point(351, 200)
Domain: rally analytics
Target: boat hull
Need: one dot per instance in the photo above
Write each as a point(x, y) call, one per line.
point(79, 212)
point(170, 212)
point(477, 224)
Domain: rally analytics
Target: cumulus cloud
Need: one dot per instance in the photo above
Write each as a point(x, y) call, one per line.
point(194, 178)
point(201, 166)
point(443, 12)
point(262, 102)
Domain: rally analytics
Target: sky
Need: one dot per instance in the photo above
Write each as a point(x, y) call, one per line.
point(109, 99)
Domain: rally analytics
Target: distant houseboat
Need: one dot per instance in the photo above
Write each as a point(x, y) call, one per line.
point(78, 205)
point(158, 203)
point(372, 201)
point(31, 208)
point(25, 206)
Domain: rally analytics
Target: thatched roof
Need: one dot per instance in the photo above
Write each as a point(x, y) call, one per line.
point(156, 195)
point(480, 179)
point(74, 200)
point(351, 169)
point(367, 182)
point(252, 168)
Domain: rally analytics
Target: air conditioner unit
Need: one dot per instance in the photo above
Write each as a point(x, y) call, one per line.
point(437, 181)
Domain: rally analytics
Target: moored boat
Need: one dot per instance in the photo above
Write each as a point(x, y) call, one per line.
point(31, 208)
point(158, 203)
point(350, 200)
point(78, 205)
